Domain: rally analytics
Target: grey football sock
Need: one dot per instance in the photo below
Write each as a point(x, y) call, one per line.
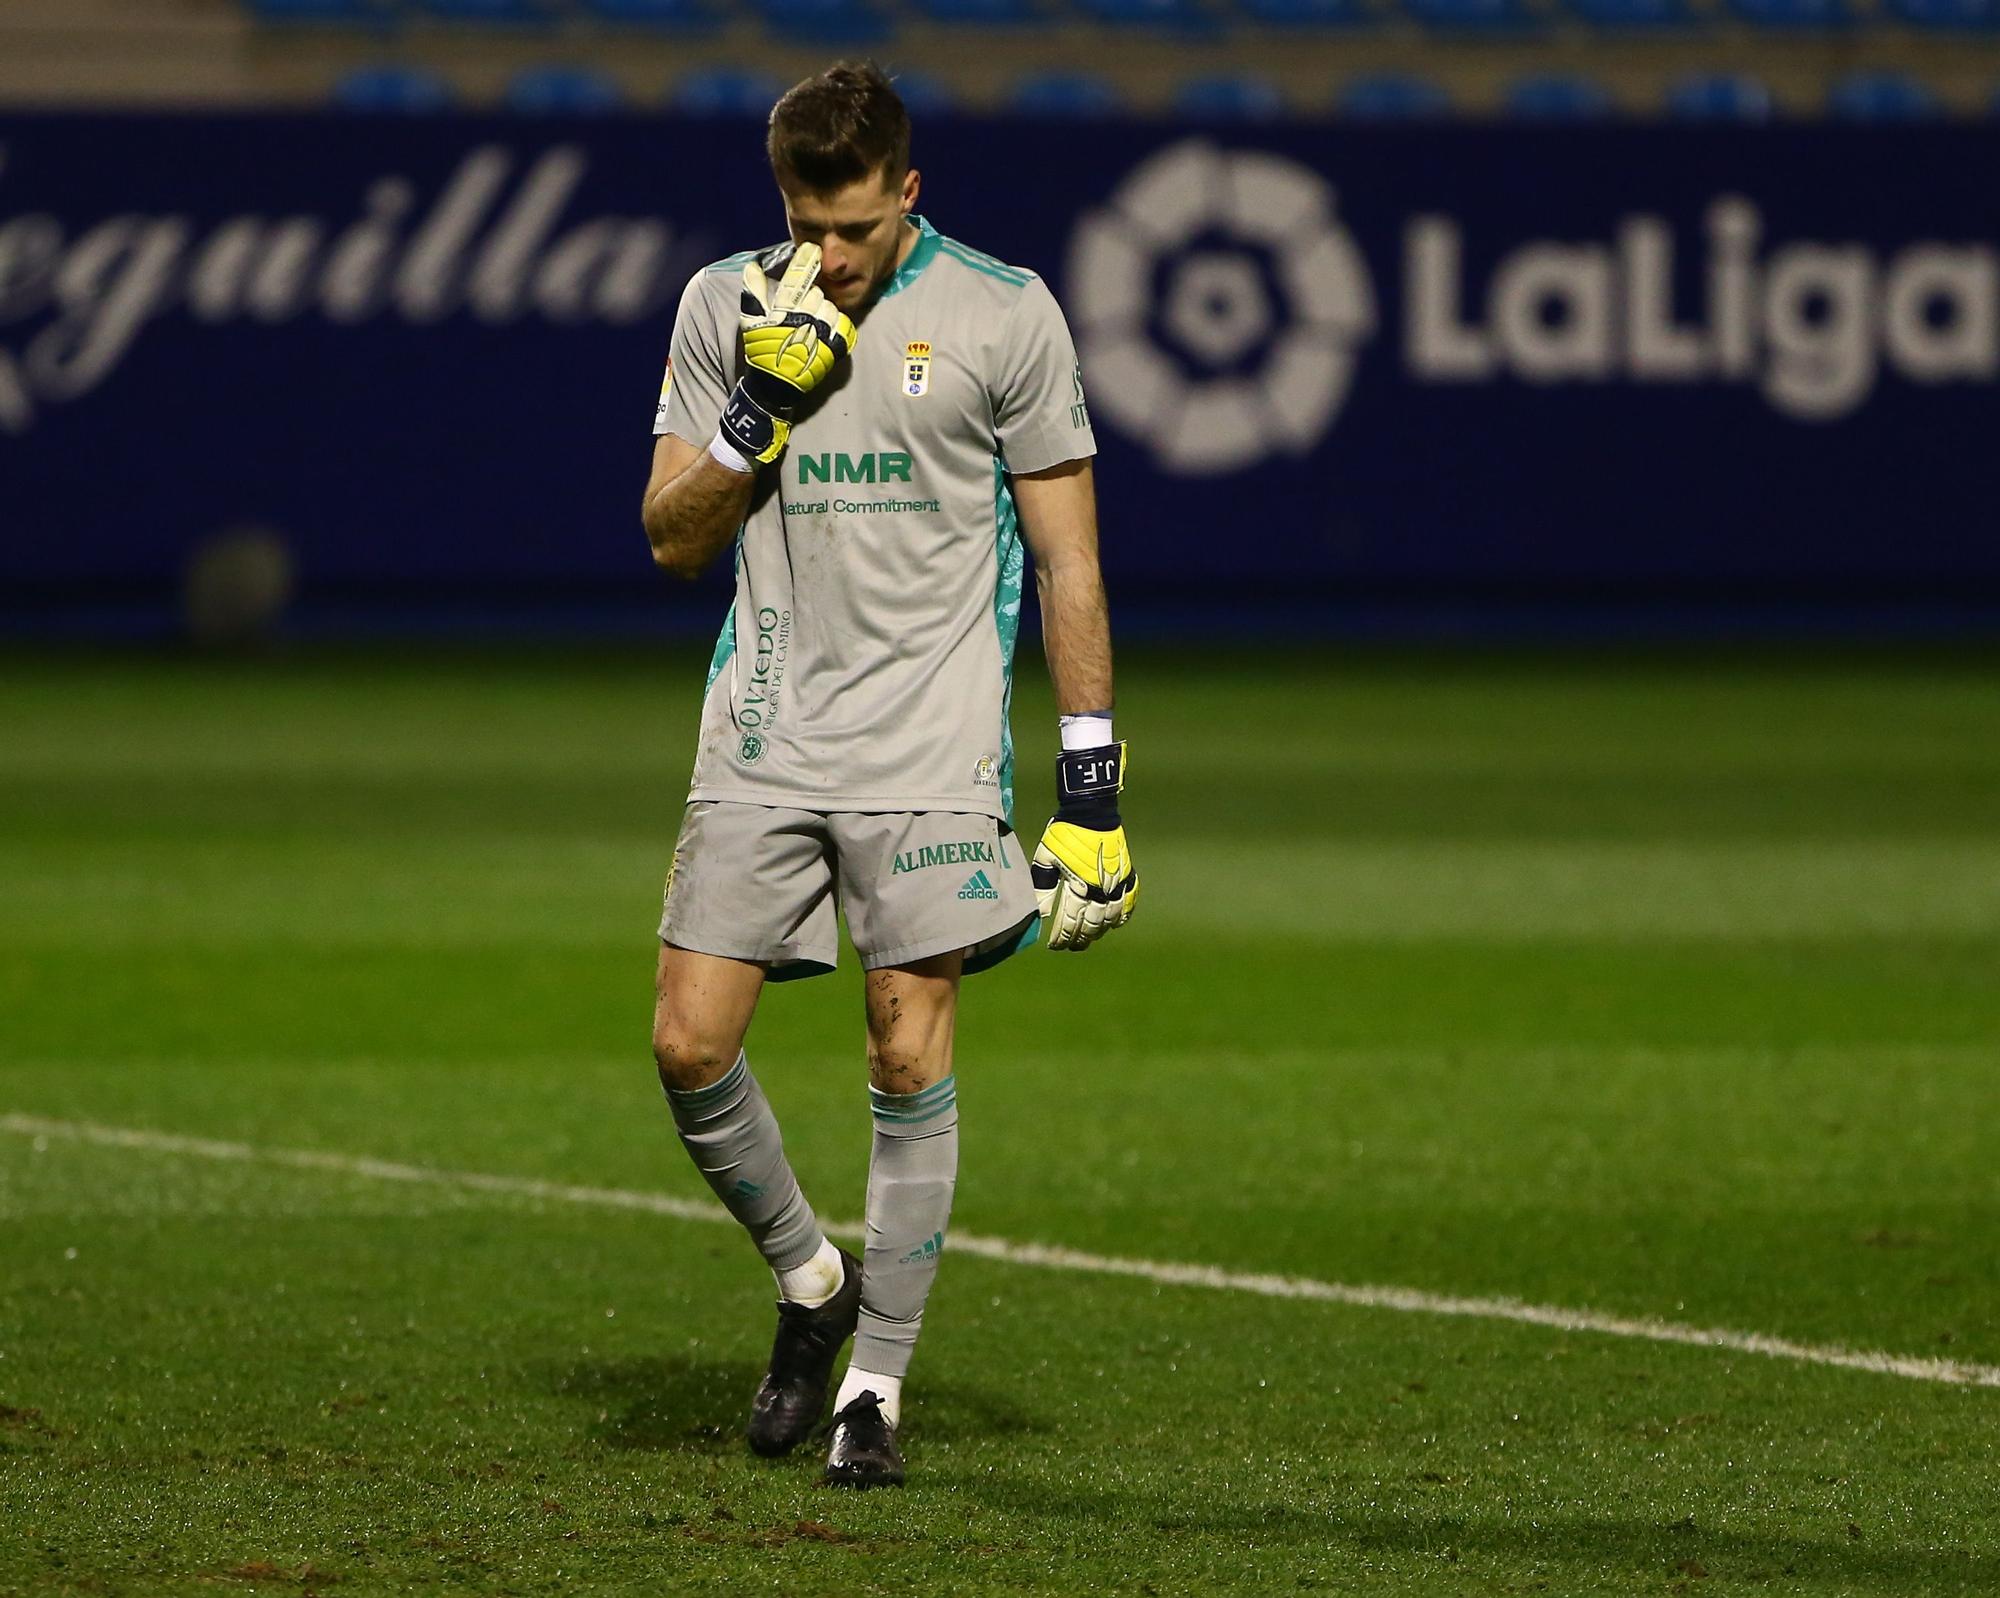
point(911, 1173)
point(730, 1132)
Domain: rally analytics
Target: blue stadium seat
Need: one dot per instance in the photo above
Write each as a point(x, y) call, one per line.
point(1969, 16)
point(1720, 97)
point(1882, 97)
point(563, 91)
point(1230, 97)
point(342, 13)
point(925, 95)
point(1180, 16)
point(681, 15)
point(1311, 13)
point(984, 13)
point(393, 88)
point(1635, 15)
point(1391, 97)
point(1064, 94)
point(1477, 16)
point(498, 13)
point(1799, 16)
point(726, 92)
point(834, 22)
point(1559, 97)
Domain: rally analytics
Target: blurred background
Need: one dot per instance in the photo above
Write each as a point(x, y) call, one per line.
point(1547, 482)
point(1399, 318)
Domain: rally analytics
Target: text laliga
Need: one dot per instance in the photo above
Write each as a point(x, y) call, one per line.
point(1809, 322)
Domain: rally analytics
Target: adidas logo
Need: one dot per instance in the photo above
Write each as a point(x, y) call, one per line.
point(979, 886)
point(929, 1249)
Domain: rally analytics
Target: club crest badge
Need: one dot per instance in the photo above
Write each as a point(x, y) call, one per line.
point(917, 368)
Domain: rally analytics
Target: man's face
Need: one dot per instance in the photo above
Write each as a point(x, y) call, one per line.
point(859, 231)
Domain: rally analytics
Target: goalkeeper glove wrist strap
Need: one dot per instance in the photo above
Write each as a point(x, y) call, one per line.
point(1086, 729)
point(756, 429)
point(1088, 782)
point(723, 451)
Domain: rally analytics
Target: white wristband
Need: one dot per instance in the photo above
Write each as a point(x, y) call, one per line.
point(724, 453)
point(1086, 732)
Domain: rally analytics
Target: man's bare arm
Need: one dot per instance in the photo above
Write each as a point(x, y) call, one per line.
point(1082, 872)
point(1059, 518)
point(694, 506)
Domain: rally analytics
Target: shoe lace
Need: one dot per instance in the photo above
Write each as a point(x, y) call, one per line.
point(862, 1400)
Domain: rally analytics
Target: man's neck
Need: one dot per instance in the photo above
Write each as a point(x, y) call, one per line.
point(911, 233)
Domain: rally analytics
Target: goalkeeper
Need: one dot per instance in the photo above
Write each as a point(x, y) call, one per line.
point(875, 416)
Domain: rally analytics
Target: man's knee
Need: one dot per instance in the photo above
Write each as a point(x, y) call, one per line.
point(910, 1015)
point(701, 1010)
point(690, 1057)
point(895, 1070)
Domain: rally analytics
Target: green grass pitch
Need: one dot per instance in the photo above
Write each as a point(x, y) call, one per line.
point(1652, 988)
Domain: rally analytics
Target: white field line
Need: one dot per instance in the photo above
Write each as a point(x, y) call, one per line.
point(1406, 1300)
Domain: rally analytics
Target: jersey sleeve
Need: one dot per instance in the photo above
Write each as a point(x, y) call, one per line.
point(696, 386)
point(1038, 408)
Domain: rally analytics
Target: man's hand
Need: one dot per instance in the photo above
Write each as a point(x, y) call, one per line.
point(792, 338)
point(1083, 873)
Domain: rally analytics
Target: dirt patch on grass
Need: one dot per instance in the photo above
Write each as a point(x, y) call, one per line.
point(308, 1578)
point(809, 1531)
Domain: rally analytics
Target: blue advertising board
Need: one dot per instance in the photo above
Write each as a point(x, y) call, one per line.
point(1453, 362)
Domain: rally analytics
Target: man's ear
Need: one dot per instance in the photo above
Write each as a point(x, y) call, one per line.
point(912, 183)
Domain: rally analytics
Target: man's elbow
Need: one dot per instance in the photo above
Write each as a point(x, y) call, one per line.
point(668, 555)
point(677, 562)
point(1069, 572)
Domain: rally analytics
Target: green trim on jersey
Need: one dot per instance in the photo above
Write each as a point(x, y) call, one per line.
point(1006, 619)
point(1008, 564)
point(733, 262)
point(979, 261)
point(725, 641)
point(725, 646)
point(928, 239)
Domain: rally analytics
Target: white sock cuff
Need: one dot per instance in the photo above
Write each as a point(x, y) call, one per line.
point(887, 1388)
point(815, 1281)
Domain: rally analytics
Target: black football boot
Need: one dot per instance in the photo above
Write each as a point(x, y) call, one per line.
point(863, 1450)
point(788, 1404)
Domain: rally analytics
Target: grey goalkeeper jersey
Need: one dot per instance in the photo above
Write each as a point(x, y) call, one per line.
point(867, 662)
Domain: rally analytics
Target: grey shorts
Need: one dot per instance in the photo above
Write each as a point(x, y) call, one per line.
point(756, 882)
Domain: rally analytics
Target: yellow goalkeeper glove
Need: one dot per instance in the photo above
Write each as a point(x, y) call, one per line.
point(1083, 876)
point(792, 338)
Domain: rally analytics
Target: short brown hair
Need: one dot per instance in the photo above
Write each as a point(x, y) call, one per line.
point(843, 125)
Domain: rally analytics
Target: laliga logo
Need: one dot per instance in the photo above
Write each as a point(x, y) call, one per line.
point(1203, 237)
